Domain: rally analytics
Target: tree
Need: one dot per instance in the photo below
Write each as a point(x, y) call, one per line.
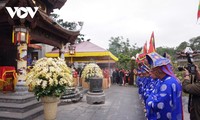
point(123, 50)
point(182, 46)
point(115, 46)
point(68, 25)
point(168, 50)
point(195, 43)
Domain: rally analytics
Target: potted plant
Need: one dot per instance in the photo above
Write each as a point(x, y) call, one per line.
point(92, 74)
point(48, 79)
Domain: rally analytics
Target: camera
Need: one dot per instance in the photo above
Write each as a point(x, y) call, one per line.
point(190, 67)
point(181, 68)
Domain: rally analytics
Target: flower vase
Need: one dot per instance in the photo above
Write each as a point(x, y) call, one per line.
point(50, 107)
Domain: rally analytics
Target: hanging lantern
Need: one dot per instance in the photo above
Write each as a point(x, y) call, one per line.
point(20, 34)
point(72, 49)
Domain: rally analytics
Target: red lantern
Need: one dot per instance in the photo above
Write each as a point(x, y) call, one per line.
point(20, 34)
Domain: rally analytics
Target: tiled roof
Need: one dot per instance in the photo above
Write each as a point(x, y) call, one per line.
point(88, 47)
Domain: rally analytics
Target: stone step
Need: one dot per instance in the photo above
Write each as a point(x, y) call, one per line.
point(12, 98)
point(22, 105)
point(12, 107)
point(27, 115)
point(15, 106)
point(70, 96)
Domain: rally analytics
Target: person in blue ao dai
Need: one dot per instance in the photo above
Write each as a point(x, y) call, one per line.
point(165, 101)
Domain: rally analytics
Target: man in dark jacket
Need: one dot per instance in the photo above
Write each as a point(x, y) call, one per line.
point(194, 90)
point(114, 77)
point(121, 74)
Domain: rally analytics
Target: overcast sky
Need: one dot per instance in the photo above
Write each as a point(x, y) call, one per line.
point(173, 21)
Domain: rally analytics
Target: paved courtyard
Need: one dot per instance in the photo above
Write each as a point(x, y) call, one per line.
point(122, 103)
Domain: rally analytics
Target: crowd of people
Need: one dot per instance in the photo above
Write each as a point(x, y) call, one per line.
point(161, 91)
point(121, 77)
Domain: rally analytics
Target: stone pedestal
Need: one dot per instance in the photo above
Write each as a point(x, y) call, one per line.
point(97, 97)
point(21, 88)
point(17, 106)
point(72, 95)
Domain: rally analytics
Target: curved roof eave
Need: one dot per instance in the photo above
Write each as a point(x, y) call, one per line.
point(57, 26)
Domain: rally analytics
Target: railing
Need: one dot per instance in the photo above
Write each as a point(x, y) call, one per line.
point(185, 60)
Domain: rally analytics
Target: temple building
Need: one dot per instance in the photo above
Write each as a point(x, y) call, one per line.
point(25, 26)
point(183, 57)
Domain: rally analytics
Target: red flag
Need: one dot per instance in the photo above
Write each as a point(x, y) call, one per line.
point(198, 12)
point(152, 44)
point(145, 48)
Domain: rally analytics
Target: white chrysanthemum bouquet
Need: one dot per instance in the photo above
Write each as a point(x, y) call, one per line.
point(49, 77)
point(91, 70)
